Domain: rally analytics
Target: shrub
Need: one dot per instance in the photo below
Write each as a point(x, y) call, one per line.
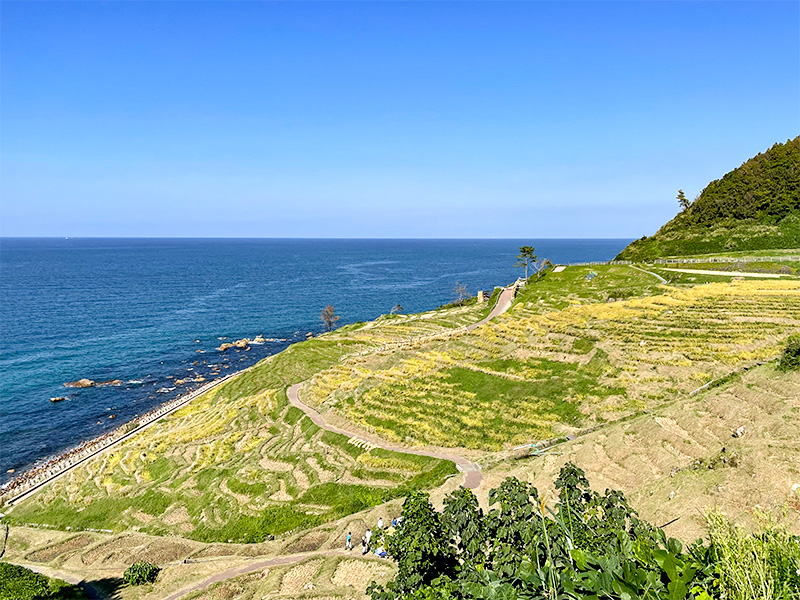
point(140, 573)
point(588, 546)
point(19, 583)
point(790, 359)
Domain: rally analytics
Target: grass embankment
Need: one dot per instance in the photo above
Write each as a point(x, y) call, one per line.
point(746, 237)
point(562, 358)
point(239, 463)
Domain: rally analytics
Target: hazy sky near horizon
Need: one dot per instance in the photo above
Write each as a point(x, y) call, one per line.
point(251, 119)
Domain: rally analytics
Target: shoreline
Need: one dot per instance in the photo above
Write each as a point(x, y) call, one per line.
point(26, 483)
point(37, 476)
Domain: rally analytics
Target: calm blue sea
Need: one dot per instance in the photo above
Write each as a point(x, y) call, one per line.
point(132, 309)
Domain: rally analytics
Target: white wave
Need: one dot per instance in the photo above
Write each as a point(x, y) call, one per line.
point(165, 390)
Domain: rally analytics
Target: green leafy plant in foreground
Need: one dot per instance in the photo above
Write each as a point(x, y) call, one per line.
point(140, 573)
point(589, 546)
point(790, 358)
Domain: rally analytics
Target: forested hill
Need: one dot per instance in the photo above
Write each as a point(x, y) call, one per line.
point(754, 207)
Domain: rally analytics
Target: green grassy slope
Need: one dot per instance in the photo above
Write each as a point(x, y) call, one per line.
point(754, 207)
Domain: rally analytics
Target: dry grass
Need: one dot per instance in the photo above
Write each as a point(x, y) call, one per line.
point(670, 462)
point(532, 375)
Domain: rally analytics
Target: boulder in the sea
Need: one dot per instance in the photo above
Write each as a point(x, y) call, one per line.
point(199, 378)
point(81, 383)
point(242, 343)
point(259, 339)
point(113, 382)
point(224, 346)
point(58, 399)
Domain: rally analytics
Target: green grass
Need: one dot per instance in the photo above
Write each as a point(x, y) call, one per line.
point(768, 252)
point(556, 291)
point(745, 237)
point(19, 583)
point(205, 460)
point(765, 565)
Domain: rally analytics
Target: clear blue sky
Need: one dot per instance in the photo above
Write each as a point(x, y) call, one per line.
point(519, 120)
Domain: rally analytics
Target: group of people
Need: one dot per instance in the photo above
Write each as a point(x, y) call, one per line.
point(366, 539)
point(59, 464)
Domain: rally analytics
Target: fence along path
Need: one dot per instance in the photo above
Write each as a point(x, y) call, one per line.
point(678, 259)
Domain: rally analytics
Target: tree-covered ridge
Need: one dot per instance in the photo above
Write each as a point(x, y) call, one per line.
point(755, 206)
point(766, 188)
point(589, 546)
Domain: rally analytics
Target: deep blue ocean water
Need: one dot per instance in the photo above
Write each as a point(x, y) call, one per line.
point(132, 309)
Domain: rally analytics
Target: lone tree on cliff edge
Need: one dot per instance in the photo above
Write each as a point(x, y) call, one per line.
point(526, 258)
point(329, 317)
point(683, 200)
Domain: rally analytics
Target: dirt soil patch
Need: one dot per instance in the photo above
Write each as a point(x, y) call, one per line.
point(47, 554)
point(307, 543)
point(164, 552)
point(296, 578)
point(359, 573)
point(102, 552)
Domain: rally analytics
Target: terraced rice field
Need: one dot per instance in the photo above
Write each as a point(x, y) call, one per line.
point(324, 578)
point(229, 470)
point(535, 373)
point(682, 460)
point(240, 464)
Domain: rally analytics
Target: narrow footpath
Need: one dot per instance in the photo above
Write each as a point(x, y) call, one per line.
point(471, 470)
point(472, 477)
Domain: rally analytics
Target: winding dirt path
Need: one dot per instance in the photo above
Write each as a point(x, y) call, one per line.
point(251, 567)
point(471, 470)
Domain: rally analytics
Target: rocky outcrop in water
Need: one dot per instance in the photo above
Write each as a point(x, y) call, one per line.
point(81, 383)
point(242, 343)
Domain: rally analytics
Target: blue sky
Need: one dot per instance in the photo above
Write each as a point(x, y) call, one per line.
point(517, 120)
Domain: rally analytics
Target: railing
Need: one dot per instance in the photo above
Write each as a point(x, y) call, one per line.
point(678, 260)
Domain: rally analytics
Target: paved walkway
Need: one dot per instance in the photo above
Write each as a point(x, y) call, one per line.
point(656, 275)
